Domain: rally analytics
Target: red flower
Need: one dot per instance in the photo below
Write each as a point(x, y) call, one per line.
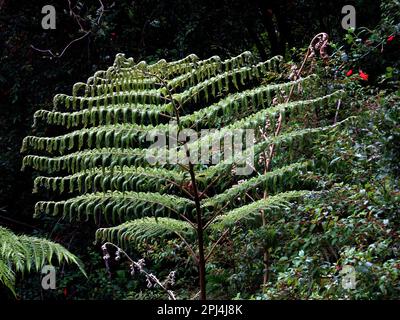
point(364, 75)
point(390, 39)
point(349, 73)
point(65, 291)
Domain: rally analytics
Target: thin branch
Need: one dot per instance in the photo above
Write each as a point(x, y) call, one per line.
point(166, 115)
point(139, 266)
point(337, 111)
point(195, 296)
point(187, 220)
point(56, 55)
point(216, 243)
point(215, 215)
point(321, 46)
point(77, 17)
point(196, 260)
point(100, 12)
point(190, 169)
point(209, 186)
point(179, 186)
point(19, 222)
point(251, 198)
point(79, 20)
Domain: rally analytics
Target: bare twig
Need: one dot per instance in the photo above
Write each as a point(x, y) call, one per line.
point(79, 20)
point(56, 55)
point(77, 17)
point(209, 186)
point(194, 256)
point(216, 214)
point(216, 243)
point(337, 111)
point(100, 12)
point(187, 220)
point(319, 42)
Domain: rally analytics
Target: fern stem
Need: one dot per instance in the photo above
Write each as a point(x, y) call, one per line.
point(216, 243)
point(215, 215)
point(194, 256)
point(200, 235)
point(201, 261)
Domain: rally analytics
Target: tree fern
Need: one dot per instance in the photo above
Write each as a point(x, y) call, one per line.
point(100, 158)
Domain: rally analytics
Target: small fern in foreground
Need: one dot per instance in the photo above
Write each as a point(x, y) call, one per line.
point(24, 254)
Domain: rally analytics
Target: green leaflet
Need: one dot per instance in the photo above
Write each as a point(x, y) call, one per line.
point(139, 230)
point(251, 211)
point(23, 253)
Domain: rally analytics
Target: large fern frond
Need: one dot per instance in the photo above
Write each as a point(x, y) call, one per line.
point(99, 160)
point(252, 210)
point(143, 229)
point(117, 206)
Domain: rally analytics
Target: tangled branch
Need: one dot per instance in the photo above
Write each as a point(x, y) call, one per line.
point(79, 20)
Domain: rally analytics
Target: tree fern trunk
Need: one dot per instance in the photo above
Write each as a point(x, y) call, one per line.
point(200, 236)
